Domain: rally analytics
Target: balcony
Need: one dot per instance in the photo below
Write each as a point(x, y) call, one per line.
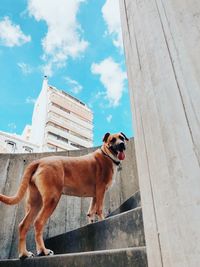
point(60, 144)
point(71, 116)
point(74, 107)
point(69, 125)
point(70, 137)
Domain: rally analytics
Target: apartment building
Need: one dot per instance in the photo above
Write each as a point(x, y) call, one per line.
point(60, 121)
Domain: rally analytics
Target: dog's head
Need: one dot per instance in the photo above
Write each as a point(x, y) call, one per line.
point(115, 144)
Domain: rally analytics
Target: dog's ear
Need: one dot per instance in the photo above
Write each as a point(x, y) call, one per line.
point(106, 137)
point(125, 136)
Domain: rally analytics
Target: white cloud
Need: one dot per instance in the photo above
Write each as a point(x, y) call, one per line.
point(74, 86)
point(25, 68)
point(109, 118)
point(111, 15)
point(112, 77)
point(11, 34)
point(30, 100)
point(63, 38)
point(95, 98)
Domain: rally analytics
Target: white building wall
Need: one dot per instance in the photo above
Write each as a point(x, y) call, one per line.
point(39, 117)
point(26, 133)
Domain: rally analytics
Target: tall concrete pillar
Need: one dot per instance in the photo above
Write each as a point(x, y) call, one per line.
point(162, 47)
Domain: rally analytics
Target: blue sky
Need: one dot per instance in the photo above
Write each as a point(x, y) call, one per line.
point(78, 44)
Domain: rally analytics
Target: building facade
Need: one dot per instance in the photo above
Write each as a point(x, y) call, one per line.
point(27, 132)
point(60, 121)
point(12, 143)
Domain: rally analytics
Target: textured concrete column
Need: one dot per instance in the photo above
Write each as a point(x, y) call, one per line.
point(162, 47)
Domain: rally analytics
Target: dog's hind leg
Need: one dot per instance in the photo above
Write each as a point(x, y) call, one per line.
point(49, 204)
point(92, 210)
point(33, 206)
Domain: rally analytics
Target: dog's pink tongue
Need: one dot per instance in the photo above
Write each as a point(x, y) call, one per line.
point(121, 155)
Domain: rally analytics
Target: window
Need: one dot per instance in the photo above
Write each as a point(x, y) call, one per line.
point(57, 126)
point(73, 112)
point(76, 145)
point(51, 148)
point(58, 137)
point(59, 107)
point(10, 146)
point(80, 136)
point(27, 149)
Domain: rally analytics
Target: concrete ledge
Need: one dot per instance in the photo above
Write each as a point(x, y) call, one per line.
point(131, 257)
point(120, 231)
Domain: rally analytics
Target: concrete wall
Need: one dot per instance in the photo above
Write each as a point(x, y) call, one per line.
point(70, 212)
point(162, 50)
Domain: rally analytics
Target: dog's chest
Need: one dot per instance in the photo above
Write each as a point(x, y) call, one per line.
point(114, 176)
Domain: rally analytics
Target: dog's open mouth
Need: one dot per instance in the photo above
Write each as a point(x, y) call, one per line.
point(121, 155)
point(118, 151)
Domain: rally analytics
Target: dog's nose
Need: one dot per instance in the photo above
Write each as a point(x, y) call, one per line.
point(121, 147)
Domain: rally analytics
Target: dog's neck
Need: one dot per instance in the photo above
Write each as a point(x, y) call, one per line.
point(112, 157)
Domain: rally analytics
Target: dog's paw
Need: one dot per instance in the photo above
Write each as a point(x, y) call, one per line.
point(91, 218)
point(50, 252)
point(25, 255)
point(47, 252)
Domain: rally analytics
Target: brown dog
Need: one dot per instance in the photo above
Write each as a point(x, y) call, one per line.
point(48, 178)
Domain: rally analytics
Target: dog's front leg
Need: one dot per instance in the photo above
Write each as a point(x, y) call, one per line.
point(100, 192)
point(92, 210)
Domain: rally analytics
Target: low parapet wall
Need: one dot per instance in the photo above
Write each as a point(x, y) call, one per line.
point(70, 212)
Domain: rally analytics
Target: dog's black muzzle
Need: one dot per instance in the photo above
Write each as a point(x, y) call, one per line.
point(121, 147)
point(118, 148)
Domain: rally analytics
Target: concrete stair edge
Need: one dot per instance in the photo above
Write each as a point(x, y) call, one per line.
point(119, 231)
point(129, 257)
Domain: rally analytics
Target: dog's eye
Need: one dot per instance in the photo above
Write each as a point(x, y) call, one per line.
point(121, 138)
point(113, 140)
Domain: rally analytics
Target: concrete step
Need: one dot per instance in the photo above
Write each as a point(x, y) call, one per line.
point(119, 231)
point(131, 203)
point(131, 257)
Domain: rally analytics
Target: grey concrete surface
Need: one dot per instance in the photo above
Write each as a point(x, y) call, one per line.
point(161, 41)
point(119, 231)
point(131, 203)
point(130, 257)
point(70, 212)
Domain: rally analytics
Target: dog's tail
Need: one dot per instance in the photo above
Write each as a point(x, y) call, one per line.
point(29, 171)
